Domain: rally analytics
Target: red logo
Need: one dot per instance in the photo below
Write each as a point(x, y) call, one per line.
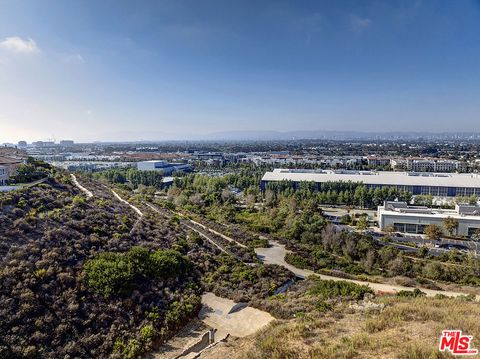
point(456, 343)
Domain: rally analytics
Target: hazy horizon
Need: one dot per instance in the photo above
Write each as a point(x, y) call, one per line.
point(131, 71)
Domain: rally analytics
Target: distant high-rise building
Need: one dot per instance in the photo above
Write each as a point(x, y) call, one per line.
point(43, 143)
point(67, 143)
point(22, 144)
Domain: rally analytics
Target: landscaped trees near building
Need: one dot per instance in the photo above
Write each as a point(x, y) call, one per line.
point(451, 225)
point(32, 171)
point(362, 223)
point(433, 232)
point(389, 230)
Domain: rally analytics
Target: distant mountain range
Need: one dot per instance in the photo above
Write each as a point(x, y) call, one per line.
point(157, 136)
point(333, 135)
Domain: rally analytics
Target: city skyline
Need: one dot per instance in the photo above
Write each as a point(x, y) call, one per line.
point(119, 71)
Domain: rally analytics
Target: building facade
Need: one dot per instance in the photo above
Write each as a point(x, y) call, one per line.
point(434, 184)
point(4, 175)
point(428, 165)
point(167, 168)
point(409, 219)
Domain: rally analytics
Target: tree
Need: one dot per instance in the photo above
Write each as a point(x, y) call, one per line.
point(433, 232)
point(476, 239)
point(109, 273)
point(362, 223)
point(389, 230)
point(451, 225)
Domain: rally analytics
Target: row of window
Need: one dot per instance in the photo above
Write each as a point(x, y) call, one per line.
point(409, 228)
point(420, 228)
point(435, 191)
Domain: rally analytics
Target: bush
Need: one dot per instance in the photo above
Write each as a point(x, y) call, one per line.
point(168, 263)
point(113, 273)
point(298, 261)
point(109, 273)
point(411, 294)
point(329, 289)
point(139, 258)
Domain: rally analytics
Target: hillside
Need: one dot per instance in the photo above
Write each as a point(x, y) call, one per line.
point(343, 326)
point(92, 279)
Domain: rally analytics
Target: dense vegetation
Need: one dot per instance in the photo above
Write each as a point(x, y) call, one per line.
point(116, 273)
point(294, 217)
point(32, 170)
point(89, 278)
point(132, 177)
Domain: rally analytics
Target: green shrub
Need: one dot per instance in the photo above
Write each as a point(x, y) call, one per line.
point(113, 273)
point(168, 263)
point(182, 311)
point(297, 261)
point(147, 334)
point(110, 273)
point(328, 289)
point(411, 293)
point(139, 258)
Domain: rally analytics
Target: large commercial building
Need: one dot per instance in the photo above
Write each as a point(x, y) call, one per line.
point(410, 219)
point(435, 184)
point(167, 168)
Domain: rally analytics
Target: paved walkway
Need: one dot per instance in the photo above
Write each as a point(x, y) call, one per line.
point(222, 318)
point(276, 255)
point(232, 318)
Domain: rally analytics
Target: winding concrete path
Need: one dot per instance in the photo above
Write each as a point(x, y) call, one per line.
point(276, 255)
point(88, 193)
point(117, 196)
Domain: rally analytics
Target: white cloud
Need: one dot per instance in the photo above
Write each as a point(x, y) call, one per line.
point(74, 59)
point(19, 45)
point(360, 23)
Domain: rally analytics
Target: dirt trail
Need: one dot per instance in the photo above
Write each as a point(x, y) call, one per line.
point(117, 196)
point(88, 193)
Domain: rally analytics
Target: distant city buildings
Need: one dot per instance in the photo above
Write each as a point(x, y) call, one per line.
point(22, 144)
point(409, 219)
point(67, 143)
point(90, 166)
point(428, 165)
point(43, 143)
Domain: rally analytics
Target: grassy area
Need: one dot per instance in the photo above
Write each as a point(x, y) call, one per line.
point(405, 328)
point(383, 327)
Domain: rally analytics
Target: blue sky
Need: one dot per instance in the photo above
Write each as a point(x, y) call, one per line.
point(131, 70)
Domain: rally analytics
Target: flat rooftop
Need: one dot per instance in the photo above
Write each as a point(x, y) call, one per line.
point(376, 177)
point(390, 208)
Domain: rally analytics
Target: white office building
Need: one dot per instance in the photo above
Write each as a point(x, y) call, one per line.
point(410, 219)
point(165, 167)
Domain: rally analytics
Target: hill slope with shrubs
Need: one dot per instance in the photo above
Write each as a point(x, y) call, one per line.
point(88, 279)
